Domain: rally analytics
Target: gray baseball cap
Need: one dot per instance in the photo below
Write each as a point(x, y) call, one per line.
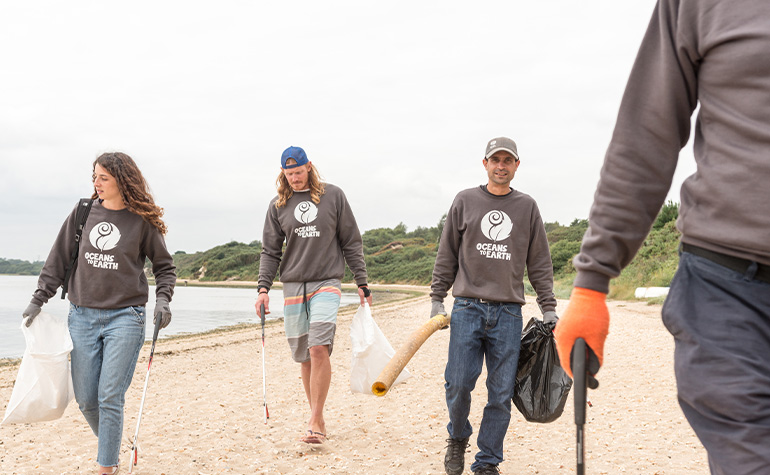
point(501, 143)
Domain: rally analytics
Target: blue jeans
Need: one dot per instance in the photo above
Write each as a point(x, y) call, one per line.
point(479, 330)
point(105, 347)
point(720, 320)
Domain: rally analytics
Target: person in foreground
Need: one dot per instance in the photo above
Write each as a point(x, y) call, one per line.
point(710, 53)
point(491, 235)
point(108, 292)
point(317, 224)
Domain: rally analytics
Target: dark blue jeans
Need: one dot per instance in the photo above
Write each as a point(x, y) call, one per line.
point(481, 331)
point(720, 320)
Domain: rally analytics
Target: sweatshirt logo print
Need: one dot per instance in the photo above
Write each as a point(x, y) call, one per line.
point(306, 212)
point(104, 237)
point(496, 226)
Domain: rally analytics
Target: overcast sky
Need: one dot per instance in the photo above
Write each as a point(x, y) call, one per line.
point(392, 101)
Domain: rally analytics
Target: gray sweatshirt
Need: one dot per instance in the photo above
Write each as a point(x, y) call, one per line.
point(110, 270)
point(487, 243)
point(319, 240)
point(716, 53)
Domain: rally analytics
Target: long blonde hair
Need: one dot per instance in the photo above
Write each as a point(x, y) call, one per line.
point(133, 187)
point(316, 186)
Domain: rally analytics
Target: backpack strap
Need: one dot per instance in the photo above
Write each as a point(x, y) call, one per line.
point(84, 207)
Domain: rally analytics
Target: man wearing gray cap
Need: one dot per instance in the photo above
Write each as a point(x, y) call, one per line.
point(492, 234)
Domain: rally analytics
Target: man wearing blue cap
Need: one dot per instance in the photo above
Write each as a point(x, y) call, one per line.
point(315, 221)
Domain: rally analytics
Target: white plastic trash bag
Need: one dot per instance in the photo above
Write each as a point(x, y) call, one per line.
point(371, 352)
point(43, 387)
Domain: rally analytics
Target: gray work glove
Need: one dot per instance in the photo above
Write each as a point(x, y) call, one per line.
point(550, 317)
point(31, 311)
point(437, 308)
point(162, 312)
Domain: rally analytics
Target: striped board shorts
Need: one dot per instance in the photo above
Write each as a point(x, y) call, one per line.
point(310, 315)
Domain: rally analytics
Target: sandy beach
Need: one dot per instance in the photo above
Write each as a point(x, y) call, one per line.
point(204, 415)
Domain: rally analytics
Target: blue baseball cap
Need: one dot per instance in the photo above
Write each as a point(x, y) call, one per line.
point(297, 154)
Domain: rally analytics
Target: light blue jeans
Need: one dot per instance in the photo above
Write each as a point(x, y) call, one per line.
point(105, 347)
point(478, 331)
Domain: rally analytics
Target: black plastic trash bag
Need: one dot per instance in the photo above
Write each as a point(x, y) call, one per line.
point(542, 386)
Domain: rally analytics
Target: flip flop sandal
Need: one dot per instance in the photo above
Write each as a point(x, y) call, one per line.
point(314, 437)
point(308, 434)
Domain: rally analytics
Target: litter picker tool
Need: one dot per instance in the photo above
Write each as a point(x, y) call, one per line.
point(135, 443)
point(579, 373)
point(264, 370)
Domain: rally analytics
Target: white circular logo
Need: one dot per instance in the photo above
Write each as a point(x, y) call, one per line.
point(104, 236)
point(306, 212)
point(496, 225)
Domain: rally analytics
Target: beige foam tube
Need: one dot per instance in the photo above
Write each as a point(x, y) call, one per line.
point(405, 353)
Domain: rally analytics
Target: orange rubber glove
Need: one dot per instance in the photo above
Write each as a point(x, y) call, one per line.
point(586, 317)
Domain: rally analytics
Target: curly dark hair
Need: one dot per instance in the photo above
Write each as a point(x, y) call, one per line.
point(133, 187)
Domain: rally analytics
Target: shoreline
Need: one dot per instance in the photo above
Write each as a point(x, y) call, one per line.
point(412, 291)
point(279, 285)
point(379, 292)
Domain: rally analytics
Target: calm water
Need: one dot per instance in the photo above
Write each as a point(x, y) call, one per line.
point(194, 309)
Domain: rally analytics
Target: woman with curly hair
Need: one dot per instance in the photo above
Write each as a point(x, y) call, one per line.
point(108, 292)
point(315, 221)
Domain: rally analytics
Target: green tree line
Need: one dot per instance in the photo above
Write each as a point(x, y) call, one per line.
point(399, 256)
point(18, 267)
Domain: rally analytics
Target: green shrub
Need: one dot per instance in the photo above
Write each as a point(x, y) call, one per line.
point(396, 255)
point(654, 264)
point(19, 267)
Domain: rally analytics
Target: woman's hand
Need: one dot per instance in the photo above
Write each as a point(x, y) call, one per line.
point(31, 312)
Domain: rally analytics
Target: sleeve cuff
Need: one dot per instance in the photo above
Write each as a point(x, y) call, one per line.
point(593, 280)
